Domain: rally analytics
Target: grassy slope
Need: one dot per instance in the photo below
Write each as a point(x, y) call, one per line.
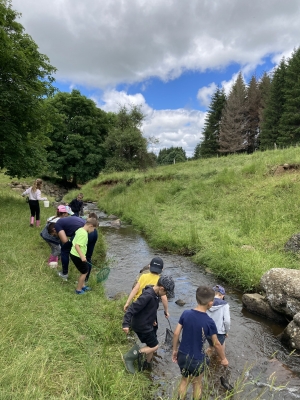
point(54, 344)
point(212, 208)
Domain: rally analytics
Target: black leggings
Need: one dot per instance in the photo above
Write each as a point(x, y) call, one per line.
point(35, 209)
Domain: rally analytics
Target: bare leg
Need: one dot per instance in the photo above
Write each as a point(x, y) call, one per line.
point(183, 388)
point(81, 282)
point(197, 387)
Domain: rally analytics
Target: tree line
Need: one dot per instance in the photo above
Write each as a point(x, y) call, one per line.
point(261, 115)
point(43, 130)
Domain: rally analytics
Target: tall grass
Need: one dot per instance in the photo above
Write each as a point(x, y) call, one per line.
point(232, 213)
point(54, 344)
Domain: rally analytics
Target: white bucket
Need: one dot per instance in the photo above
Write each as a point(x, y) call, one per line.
point(46, 203)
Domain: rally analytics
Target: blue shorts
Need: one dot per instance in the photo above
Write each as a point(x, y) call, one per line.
point(149, 338)
point(221, 339)
point(189, 366)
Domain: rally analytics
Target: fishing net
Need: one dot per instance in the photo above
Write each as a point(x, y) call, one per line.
point(102, 274)
point(169, 337)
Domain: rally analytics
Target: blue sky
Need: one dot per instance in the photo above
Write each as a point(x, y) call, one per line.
point(167, 56)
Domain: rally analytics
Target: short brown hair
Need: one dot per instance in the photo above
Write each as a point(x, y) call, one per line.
point(92, 221)
point(204, 294)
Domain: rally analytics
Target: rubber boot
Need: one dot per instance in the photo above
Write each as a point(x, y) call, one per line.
point(129, 358)
point(50, 259)
point(55, 258)
point(31, 221)
point(38, 223)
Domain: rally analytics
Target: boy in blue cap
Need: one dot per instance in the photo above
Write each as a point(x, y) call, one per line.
point(219, 312)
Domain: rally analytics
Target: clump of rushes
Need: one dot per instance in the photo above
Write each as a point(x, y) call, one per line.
point(233, 214)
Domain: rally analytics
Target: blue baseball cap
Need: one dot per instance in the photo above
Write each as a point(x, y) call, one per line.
point(220, 289)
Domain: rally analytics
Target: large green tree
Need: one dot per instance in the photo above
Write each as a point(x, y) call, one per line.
point(25, 80)
point(289, 126)
point(274, 108)
point(208, 147)
point(125, 145)
point(234, 122)
point(171, 155)
point(79, 130)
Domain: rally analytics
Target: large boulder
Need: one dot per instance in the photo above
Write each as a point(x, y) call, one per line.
point(282, 288)
point(257, 304)
point(291, 334)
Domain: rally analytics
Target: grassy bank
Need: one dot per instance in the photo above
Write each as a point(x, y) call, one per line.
point(233, 214)
point(54, 344)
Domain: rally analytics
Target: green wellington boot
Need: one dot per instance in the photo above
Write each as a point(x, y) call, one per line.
point(129, 357)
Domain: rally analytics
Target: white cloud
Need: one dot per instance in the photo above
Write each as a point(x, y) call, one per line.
point(105, 42)
point(204, 94)
point(177, 128)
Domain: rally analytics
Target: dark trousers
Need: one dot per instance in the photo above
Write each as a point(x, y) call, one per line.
point(34, 208)
point(64, 255)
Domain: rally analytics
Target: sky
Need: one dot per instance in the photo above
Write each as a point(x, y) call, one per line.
point(168, 56)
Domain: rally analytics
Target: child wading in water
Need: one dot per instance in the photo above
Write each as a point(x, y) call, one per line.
point(195, 325)
point(220, 313)
point(34, 193)
point(151, 278)
point(141, 316)
point(78, 253)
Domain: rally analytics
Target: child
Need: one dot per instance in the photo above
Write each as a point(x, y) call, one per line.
point(141, 316)
point(92, 240)
point(191, 356)
point(219, 312)
point(54, 242)
point(34, 193)
point(78, 252)
point(77, 204)
point(156, 266)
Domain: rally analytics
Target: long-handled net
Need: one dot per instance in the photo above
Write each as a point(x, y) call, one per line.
point(102, 273)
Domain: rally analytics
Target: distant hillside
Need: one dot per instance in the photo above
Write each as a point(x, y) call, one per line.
point(232, 214)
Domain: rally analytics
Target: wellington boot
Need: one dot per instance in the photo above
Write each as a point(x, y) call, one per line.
point(129, 358)
point(38, 223)
point(31, 222)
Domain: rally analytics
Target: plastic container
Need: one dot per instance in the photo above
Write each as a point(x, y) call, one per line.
point(46, 203)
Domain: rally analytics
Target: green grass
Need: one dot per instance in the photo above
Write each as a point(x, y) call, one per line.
point(54, 344)
point(212, 209)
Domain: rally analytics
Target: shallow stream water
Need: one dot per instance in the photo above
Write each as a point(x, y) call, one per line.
point(252, 342)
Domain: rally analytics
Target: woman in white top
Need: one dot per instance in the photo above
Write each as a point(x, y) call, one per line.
point(34, 193)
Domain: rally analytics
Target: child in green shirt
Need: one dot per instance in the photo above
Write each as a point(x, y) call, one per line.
point(78, 253)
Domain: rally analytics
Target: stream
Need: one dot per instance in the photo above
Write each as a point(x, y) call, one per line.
point(272, 372)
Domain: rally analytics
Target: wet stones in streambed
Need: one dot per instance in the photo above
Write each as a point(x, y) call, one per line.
point(180, 302)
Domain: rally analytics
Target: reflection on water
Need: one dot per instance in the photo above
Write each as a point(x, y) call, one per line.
point(252, 340)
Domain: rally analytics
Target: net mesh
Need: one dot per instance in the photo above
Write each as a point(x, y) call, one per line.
point(102, 274)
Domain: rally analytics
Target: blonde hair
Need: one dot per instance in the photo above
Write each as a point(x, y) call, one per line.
point(37, 184)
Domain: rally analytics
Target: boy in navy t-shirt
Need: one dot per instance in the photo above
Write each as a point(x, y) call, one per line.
point(195, 325)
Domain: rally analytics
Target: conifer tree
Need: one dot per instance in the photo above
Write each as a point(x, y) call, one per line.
point(234, 122)
point(209, 146)
point(264, 87)
point(289, 126)
point(274, 108)
point(253, 97)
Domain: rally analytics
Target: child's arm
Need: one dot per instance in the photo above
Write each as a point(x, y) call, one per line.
point(175, 342)
point(131, 296)
point(164, 300)
point(78, 249)
point(63, 237)
point(219, 350)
